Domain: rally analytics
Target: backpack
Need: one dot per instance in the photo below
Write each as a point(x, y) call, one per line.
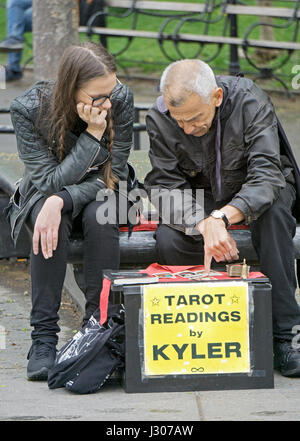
point(90, 357)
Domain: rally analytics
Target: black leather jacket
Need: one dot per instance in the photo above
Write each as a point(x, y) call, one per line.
point(255, 160)
point(44, 175)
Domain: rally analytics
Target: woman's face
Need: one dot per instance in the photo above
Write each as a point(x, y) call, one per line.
point(97, 92)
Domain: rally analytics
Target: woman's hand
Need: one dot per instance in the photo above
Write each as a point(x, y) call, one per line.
point(95, 117)
point(47, 225)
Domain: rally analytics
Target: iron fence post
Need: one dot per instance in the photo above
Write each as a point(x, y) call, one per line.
point(234, 64)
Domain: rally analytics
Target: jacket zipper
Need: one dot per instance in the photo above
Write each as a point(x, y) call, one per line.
point(97, 165)
point(14, 224)
point(100, 180)
point(91, 162)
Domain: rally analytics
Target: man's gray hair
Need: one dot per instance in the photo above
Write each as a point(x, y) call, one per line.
point(182, 78)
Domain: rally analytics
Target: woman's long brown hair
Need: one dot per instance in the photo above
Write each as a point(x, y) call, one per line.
point(78, 65)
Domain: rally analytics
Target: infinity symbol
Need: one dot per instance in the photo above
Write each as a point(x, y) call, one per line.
point(200, 369)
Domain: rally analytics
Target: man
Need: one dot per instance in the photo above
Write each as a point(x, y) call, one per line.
point(221, 135)
point(19, 21)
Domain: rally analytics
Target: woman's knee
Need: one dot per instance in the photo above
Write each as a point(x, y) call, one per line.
point(96, 215)
point(65, 223)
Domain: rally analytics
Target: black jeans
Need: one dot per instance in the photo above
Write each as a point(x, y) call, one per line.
point(101, 251)
point(272, 237)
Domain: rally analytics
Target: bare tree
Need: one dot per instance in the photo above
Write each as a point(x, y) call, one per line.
point(55, 27)
point(266, 33)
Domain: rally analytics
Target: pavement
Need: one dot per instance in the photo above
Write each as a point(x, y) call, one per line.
point(22, 400)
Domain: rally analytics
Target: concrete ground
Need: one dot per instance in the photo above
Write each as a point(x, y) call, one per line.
point(23, 400)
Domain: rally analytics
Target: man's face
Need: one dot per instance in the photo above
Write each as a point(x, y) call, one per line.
point(195, 116)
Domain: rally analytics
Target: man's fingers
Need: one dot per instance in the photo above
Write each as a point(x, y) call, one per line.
point(207, 262)
point(228, 257)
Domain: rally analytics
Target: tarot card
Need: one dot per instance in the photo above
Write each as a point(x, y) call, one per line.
point(185, 274)
point(165, 275)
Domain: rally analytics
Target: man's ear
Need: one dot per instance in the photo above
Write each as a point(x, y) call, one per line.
point(218, 96)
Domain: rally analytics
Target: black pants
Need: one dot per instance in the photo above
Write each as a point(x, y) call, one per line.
point(101, 251)
point(272, 237)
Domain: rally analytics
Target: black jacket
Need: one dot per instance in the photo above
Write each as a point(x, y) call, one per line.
point(44, 175)
point(256, 158)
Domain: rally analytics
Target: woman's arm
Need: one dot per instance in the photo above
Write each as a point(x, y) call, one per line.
point(123, 113)
point(46, 173)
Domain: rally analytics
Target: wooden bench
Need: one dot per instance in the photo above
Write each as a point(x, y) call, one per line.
point(227, 12)
point(139, 248)
point(138, 251)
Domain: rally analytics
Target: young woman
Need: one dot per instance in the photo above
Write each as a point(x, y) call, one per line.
point(74, 137)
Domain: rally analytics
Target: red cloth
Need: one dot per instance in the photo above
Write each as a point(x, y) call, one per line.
point(147, 225)
point(104, 300)
point(155, 268)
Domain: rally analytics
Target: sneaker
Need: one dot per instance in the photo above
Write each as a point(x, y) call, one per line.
point(11, 44)
point(286, 358)
point(11, 75)
point(41, 358)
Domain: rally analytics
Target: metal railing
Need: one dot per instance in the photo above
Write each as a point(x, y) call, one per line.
point(138, 127)
point(208, 13)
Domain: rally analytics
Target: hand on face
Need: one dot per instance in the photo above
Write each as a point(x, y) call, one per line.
point(95, 117)
point(97, 89)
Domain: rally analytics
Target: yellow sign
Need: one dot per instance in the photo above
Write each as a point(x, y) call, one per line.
point(196, 328)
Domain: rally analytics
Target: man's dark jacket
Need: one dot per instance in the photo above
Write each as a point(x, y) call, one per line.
point(256, 157)
point(81, 171)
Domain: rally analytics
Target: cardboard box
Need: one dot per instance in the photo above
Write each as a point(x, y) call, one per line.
point(198, 336)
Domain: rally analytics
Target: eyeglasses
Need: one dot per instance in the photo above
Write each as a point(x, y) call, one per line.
point(99, 100)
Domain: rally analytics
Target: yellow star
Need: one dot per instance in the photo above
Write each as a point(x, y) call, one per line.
point(234, 299)
point(155, 301)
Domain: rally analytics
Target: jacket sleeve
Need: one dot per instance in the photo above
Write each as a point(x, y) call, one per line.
point(46, 173)
point(166, 185)
point(264, 174)
point(85, 192)
point(123, 113)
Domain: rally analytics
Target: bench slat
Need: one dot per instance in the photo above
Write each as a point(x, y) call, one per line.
point(159, 6)
point(260, 11)
point(194, 38)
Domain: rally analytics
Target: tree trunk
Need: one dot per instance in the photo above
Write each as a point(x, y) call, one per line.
point(266, 33)
point(55, 27)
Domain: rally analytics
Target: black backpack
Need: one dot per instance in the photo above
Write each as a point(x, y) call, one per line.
point(89, 358)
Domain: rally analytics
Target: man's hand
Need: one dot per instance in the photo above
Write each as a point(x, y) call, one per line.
point(94, 117)
point(218, 243)
point(47, 225)
point(89, 2)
